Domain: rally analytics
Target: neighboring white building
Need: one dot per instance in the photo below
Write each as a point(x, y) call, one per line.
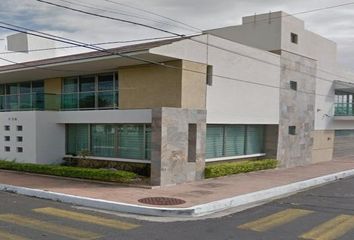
point(21, 47)
point(267, 88)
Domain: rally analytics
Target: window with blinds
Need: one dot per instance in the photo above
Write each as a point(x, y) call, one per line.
point(233, 140)
point(110, 140)
point(77, 138)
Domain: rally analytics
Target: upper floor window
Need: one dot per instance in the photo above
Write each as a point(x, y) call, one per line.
point(22, 96)
point(90, 92)
point(294, 38)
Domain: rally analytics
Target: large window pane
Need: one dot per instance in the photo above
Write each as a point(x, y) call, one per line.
point(105, 82)
point(38, 86)
point(214, 141)
point(11, 88)
point(69, 101)
point(25, 101)
point(254, 138)
point(70, 85)
point(234, 140)
point(103, 140)
point(2, 102)
point(77, 138)
point(87, 100)
point(38, 101)
point(2, 89)
point(12, 102)
point(106, 99)
point(131, 142)
point(87, 84)
point(25, 88)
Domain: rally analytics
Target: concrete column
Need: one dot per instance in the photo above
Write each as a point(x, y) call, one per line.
point(170, 146)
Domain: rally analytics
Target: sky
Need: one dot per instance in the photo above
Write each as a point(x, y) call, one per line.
point(335, 24)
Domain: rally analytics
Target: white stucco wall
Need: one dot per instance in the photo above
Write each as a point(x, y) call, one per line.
point(244, 91)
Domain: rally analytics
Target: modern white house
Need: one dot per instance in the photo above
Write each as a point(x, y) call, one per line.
point(267, 88)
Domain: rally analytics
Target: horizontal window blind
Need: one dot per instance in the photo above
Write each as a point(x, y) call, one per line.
point(110, 140)
point(215, 141)
point(254, 140)
point(233, 140)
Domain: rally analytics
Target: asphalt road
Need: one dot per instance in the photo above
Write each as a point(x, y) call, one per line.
point(326, 212)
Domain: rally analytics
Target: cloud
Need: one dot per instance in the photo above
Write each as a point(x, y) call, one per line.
point(335, 24)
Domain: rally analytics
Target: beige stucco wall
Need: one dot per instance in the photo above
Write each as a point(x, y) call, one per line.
point(52, 88)
point(322, 146)
point(194, 85)
point(153, 86)
point(150, 86)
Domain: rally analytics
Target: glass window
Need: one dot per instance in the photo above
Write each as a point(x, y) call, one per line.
point(77, 138)
point(25, 101)
point(105, 82)
point(69, 101)
point(38, 87)
point(25, 87)
point(254, 143)
point(214, 141)
point(106, 99)
point(70, 85)
point(235, 140)
point(38, 101)
point(103, 140)
point(87, 84)
point(11, 102)
point(2, 89)
point(131, 143)
point(11, 88)
point(87, 100)
point(2, 102)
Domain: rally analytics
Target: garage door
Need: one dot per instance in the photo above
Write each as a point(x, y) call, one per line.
point(344, 144)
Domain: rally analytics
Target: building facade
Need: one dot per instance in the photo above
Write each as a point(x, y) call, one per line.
point(268, 88)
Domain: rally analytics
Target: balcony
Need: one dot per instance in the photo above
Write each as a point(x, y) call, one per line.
point(344, 109)
point(59, 102)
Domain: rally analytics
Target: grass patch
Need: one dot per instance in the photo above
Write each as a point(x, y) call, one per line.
point(230, 168)
point(72, 172)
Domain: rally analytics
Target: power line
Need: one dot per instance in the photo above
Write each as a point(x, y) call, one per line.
point(95, 7)
point(153, 13)
point(111, 18)
point(174, 67)
point(218, 47)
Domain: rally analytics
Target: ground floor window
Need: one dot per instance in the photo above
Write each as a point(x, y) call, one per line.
point(233, 140)
point(129, 141)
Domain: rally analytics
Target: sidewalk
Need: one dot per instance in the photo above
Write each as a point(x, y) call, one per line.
point(213, 194)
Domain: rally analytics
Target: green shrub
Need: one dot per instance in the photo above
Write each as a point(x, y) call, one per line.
point(224, 169)
point(73, 172)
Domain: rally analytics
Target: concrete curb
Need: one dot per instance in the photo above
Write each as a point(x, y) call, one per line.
point(242, 202)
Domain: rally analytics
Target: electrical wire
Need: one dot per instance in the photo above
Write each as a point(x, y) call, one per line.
point(90, 44)
point(218, 47)
point(153, 13)
point(111, 18)
point(169, 66)
point(95, 7)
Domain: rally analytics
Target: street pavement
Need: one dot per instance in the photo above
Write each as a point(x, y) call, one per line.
point(322, 213)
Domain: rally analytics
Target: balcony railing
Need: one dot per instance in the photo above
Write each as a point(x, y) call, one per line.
point(344, 109)
point(59, 102)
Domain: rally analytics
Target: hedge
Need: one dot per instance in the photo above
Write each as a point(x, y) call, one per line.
point(73, 172)
point(229, 168)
